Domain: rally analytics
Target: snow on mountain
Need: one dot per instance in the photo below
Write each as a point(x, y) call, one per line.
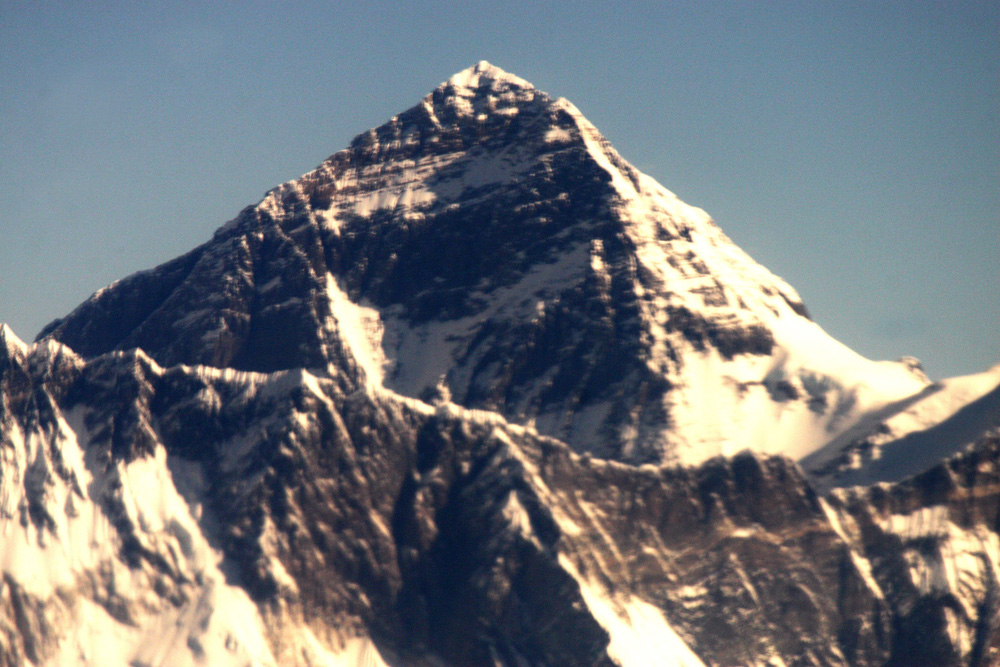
point(936, 533)
point(488, 244)
point(638, 634)
point(936, 423)
point(12, 345)
point(103, 561)
point(197, 515)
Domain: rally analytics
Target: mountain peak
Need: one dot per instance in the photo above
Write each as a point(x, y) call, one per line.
point(485, 74)
point(490, 241)
point(10, 342)
point(327, 434)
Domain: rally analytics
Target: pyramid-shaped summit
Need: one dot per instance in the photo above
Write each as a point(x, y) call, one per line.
point(489, 247)
point(486, 74)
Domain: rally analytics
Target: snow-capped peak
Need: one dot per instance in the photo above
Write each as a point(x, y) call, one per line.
point(269, 447)
point(484, 73)
point(492, 242)
point(10, 342)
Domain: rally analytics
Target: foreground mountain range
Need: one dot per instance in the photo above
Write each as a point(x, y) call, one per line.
point(477, 392)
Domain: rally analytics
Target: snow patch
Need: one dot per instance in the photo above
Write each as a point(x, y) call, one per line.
point(640, 636)
point(558, 135)
point(362, 329)
point(860, 562)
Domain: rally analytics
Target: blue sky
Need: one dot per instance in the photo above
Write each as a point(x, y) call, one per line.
point(851, 147)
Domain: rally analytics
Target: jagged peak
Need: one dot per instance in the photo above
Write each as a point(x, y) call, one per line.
point(10, 342)
point(484, 73)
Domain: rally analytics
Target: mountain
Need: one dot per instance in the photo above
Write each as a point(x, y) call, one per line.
point(477, 392)
point(489, 245)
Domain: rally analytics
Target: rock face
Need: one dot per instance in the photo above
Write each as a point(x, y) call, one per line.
point(427, 406)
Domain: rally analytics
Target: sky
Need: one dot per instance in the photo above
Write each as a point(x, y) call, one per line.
point(853, 148)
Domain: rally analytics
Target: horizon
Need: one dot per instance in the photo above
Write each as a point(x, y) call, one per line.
point(854, 152)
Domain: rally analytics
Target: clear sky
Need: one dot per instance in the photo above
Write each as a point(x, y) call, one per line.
point(851, 147)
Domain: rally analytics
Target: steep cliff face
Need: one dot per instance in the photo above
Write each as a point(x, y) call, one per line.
point(932, 543)
point(477, 392)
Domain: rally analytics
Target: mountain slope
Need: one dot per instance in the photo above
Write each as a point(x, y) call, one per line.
point(488, 245)
point(202, 516)
point(943, 419)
